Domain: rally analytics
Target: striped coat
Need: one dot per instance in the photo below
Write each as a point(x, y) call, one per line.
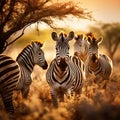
point(99, 65)
point(30, 56)
point(9, 75)
point(79, 72)
point(61, 74)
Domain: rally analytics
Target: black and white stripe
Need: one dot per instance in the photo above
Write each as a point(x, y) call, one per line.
point(9, 75)
point(30, 56)
point(61, 75)
point(99, 65)
point(79, 72)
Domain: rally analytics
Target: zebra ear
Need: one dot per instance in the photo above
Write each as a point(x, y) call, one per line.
point(70, 36)
point(54, 36)
point(89, 40)
point(41, 44)
point(79, 37)
point(99, 40)
point(33, 43)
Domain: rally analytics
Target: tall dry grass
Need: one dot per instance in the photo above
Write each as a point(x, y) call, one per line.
point(101, 105)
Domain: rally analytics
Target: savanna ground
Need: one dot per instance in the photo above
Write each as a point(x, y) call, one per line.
point(101, 105)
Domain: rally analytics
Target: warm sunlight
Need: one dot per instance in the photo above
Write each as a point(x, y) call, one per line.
point(102, 11)
point(59, 63)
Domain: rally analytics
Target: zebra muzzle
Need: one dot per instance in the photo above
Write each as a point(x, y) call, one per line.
point(45, 65)
point(94, 57)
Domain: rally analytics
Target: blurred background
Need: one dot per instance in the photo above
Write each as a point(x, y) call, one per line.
point(103, 104)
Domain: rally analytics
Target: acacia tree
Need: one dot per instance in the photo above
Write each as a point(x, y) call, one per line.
point(111, 34)
point(16, 15)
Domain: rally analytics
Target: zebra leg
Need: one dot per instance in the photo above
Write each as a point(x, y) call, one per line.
point(7, 100)
point(67, 94)
point(8, 103)
point(61, 97)
point(78, 94)
point(25, 90)
point(54, 98)
point(103, 84)
point(85, 87)
point(72, 91)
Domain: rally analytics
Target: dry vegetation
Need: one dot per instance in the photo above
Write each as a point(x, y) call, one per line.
point(101, 105)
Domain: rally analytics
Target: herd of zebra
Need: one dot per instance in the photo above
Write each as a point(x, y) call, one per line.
point(66, 75)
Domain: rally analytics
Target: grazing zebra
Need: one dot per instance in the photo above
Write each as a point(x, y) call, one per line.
point(9, 75)
point(30, 56)
point(81, 47)
point(97, 65)
point(61, 74)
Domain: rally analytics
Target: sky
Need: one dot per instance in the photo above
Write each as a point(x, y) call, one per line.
point(101, 10)
point(107, 11)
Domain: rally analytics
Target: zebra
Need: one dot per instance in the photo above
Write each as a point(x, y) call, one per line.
point(30, 56)
point(81, 47)
point(61, 72)
point(9, 76)
point(97, 65)
point(79, 72)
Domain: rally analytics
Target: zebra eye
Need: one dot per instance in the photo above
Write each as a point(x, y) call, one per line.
point(39, 53)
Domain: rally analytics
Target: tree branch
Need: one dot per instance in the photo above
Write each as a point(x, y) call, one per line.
point(18, 36)
point(11, 7)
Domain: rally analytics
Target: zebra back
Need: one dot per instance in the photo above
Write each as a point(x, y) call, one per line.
point(9, 75)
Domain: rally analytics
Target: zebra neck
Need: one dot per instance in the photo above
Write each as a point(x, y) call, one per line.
point(26, 58)
point(60, 75)
point(28, 67)
point(95, 66)
point(61, 67)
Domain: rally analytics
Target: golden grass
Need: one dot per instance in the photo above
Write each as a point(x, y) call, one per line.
point(101, 104)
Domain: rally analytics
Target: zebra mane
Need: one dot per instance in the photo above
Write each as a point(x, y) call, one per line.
point(38, 43)
point(92, 36)
point(62, 37)
point(30, 47)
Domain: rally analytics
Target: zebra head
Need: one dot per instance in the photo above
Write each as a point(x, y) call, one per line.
point(93, 47)
point(81, 47)
point(62, 45)
point(39, 57)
